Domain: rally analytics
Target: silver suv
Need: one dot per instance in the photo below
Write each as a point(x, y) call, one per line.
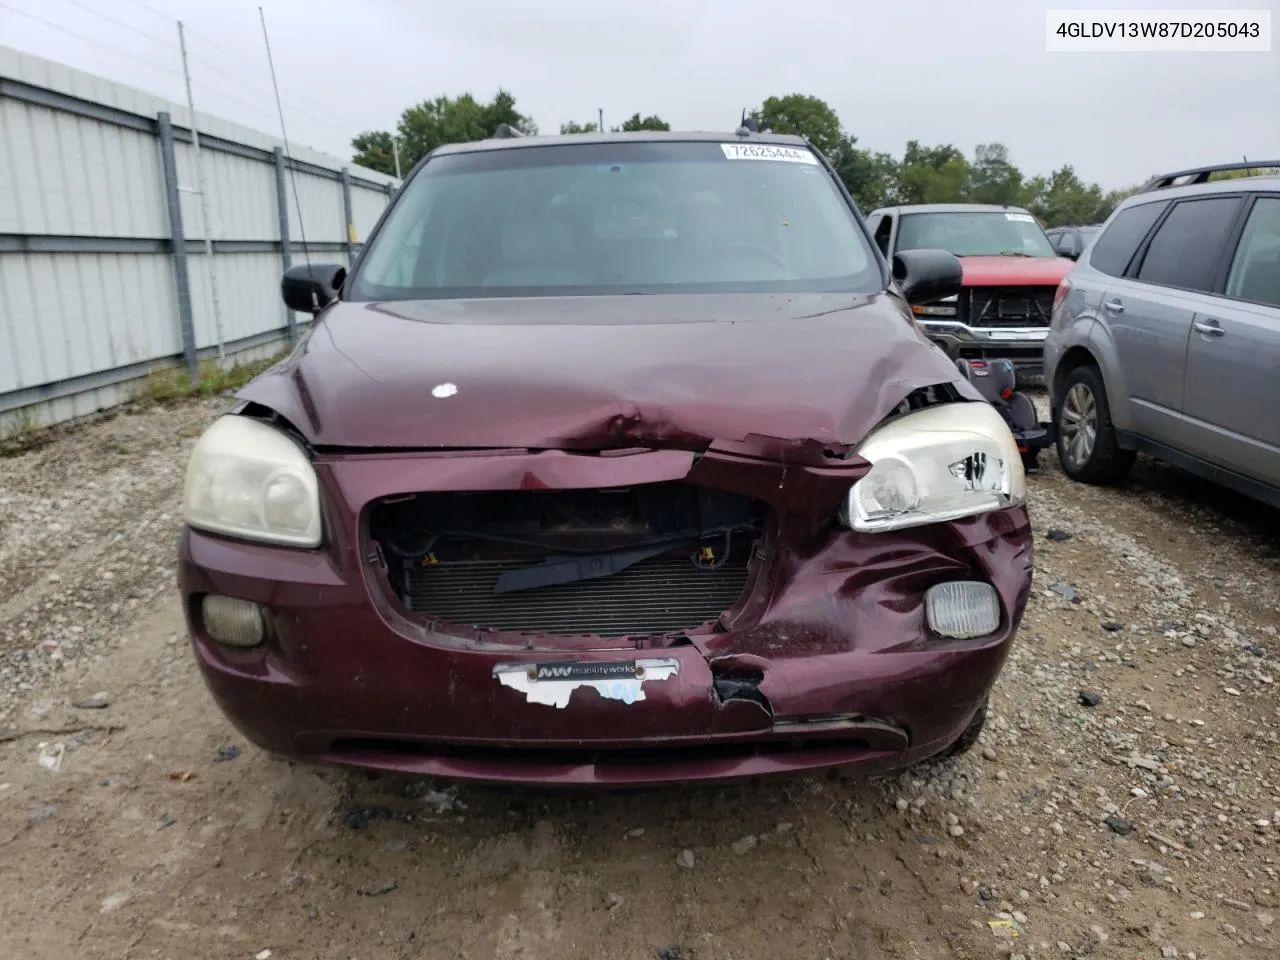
point(1165, 337)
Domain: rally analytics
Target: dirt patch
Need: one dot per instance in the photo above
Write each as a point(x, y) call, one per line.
point(1143, 824)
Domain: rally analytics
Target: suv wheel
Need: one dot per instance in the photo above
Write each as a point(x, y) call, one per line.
point(1088, 448)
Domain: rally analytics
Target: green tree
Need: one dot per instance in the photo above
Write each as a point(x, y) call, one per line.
point(1111, 200)
point(933, 175)
point(636, 122)
point(432, 123)
point(872, 178)
point(574, 127)
point(798, 113)
point(375, 151)
point(994, 179)
point(1062, 198)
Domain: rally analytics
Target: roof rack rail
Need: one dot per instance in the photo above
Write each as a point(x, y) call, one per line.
point(505, 131)
point(1202, 174)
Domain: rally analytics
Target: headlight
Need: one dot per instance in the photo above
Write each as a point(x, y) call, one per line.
point(946, 307)
point(249, 480)
point(936, 464)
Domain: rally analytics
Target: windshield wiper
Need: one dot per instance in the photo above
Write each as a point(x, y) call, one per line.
point(1014, 253)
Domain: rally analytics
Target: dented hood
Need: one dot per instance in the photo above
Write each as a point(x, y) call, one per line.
point(597, 372)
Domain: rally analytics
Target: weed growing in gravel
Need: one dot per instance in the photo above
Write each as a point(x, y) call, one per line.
point(163, 386)
point(173, 383)
point(18, 437)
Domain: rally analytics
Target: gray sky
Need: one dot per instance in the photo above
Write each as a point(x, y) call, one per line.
point(941, 71)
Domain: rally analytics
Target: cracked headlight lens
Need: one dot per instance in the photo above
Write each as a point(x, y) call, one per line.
point(934, 465)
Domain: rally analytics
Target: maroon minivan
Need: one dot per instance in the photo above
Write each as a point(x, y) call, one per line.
point(614, 460)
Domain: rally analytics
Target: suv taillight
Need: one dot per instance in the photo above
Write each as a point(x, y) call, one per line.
point(1061, 293)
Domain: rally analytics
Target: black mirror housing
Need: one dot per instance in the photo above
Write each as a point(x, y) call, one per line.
point(927, 276)
point(310, 287)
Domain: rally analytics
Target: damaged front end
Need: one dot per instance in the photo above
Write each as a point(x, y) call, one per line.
point(665, 610)
point(724, 596)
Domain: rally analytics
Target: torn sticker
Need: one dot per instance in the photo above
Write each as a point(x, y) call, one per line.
point(767, 151)
point(552, 682)
point(1020, 217)
point(440, 391)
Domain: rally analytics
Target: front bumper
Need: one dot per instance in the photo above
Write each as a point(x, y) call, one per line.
point(1023, 345)
point(844, 667)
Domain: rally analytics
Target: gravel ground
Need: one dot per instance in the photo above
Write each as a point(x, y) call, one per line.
point(1123, 802)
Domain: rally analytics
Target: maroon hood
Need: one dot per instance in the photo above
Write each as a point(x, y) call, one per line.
point(583, 372)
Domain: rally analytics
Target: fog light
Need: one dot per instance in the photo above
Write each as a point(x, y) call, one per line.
point(963, 609)
point(233, 622)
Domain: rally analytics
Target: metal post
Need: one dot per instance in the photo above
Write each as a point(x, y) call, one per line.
point(178, 239)
point(206, 220)
point(346, 208)
point(286, 248)
point(601, 130)
point(395, 152)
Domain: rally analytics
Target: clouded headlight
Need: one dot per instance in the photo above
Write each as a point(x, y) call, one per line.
point(247, 479)
point(937, 464)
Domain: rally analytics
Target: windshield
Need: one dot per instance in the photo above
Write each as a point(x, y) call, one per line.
point(975, 234)
point(618, 218)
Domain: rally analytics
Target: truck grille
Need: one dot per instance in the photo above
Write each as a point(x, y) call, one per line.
point(1009, 306)
point(662, 595)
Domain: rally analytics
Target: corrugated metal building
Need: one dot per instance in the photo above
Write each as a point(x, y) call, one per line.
point(96, 179)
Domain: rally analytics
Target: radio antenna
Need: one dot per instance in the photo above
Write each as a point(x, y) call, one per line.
point(284, 135)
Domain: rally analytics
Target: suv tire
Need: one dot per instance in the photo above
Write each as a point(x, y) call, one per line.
point(1081, 411)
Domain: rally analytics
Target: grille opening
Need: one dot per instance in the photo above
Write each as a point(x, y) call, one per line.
point(1028, 306)
point(648, 560)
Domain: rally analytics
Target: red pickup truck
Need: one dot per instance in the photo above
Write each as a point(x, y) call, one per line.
point(1010, 274)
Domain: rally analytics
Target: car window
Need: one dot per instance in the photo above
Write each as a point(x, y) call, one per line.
point(1185, 250)
point(400, 267)
point(884, 231)
point(978, 233)
point(1255, 270)
point(1118, 243)
point(1068, 242)
point(614, 218)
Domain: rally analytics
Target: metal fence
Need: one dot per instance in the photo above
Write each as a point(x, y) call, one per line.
point(104, 274)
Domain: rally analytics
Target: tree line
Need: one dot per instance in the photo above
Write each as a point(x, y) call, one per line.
point(923, 174)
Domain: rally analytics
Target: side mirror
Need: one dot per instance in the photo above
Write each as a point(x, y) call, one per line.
point(310, 287)
point(927, 276)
